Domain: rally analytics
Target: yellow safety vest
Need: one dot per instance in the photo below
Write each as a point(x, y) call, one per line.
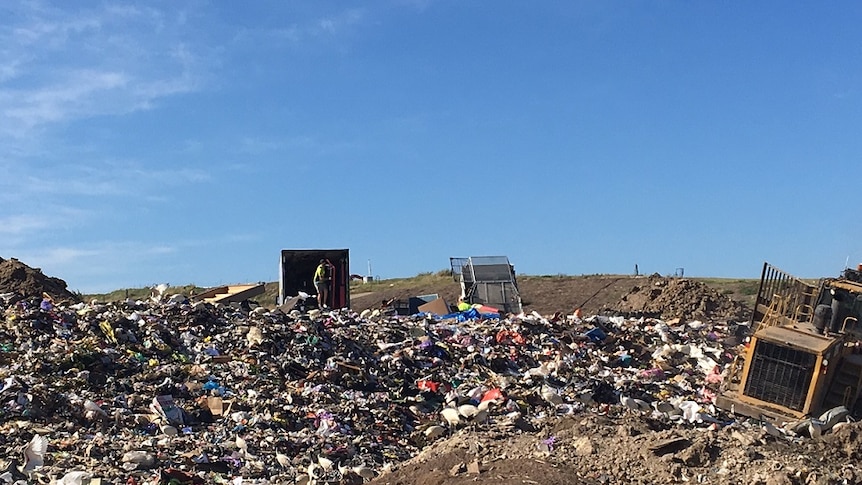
point(319, 274)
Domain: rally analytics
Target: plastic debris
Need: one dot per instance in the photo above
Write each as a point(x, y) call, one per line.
point(168, 391)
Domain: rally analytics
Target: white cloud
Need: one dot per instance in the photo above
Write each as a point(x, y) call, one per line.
point(17, 227)
point(292, 34)
point(109, 255)
point(334, 24)
point(257, 145)
point(109, 265)
point(42, 29)
point(420, 5)
point(96, 268)
point(78, 94)
point(63, 256)
point(18, 224)
point(65, 64)
point(9, 70)
point(327, 25)
point(304, 30)
point(126, 179)
point(61, 65)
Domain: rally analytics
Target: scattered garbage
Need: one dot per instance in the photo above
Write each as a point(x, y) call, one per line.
point(172, 391)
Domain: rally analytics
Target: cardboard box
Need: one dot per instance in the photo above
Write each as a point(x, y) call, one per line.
point(215, 405)
point(437, 307)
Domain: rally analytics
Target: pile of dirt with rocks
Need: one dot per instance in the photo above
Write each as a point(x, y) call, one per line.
point(685, 299)
point(20, 281)
point(607, 449)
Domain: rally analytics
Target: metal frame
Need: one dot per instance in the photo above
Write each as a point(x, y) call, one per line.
point(797, 297)
point(483, 287)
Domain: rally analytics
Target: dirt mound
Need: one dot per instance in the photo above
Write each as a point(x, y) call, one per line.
point(686, 299)
point(594, 449)
point(26, 282)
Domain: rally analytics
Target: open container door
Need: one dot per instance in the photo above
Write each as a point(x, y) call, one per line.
point(296, 273)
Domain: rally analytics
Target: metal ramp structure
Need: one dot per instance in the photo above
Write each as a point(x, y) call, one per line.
point(488, 280)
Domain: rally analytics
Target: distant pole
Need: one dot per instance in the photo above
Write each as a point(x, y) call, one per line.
point(369, 266)
point(636, 269)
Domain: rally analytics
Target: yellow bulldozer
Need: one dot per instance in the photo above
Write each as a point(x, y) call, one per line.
point(804, 352)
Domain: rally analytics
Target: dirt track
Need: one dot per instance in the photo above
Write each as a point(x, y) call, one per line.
point(595, 294)
point(543, 294)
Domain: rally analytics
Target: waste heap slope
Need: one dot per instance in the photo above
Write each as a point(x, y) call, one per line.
point(151, 391)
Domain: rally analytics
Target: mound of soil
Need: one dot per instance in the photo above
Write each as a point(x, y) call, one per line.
point(593, 449)
point(26, 282)
point(669, 298)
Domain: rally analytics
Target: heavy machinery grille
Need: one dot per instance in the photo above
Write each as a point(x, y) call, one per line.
point(780, 375)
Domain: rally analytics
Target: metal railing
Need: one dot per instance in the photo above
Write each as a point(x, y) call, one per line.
point(794, 297)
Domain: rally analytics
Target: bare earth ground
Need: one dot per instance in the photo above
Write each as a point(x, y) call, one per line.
point(544, 294)
point(599, 449)
point(594, 294)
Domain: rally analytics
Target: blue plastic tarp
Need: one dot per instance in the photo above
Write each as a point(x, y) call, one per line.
point(471, 314)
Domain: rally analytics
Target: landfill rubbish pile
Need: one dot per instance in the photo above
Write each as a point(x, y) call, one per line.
point(670, 298)
point(159, 392)
point(17, 280)
point(166, 391)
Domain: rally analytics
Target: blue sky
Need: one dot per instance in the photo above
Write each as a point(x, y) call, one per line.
point(191, 141)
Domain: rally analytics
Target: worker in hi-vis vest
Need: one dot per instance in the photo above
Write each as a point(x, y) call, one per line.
point(322, 276)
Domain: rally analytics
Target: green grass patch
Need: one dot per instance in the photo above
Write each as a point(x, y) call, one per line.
point(143, 293)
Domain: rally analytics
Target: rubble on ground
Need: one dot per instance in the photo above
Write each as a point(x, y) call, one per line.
point(147, 392)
